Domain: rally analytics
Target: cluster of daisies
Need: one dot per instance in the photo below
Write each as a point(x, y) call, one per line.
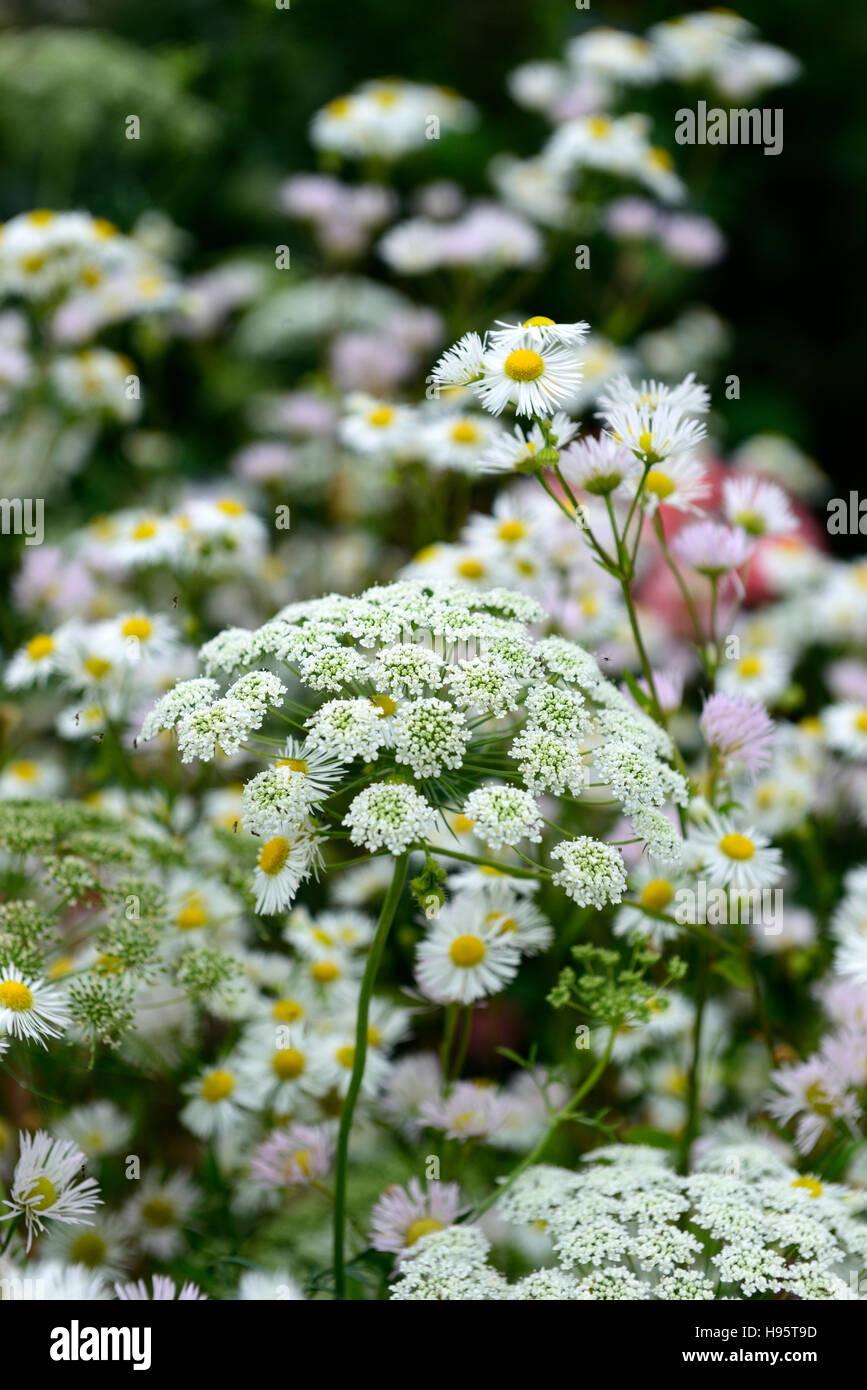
point(626, 1226)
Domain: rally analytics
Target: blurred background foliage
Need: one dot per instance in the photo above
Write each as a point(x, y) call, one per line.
point(225, 89)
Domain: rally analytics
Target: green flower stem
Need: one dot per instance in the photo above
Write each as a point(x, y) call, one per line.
point(513, 872)
point(386, 917)
point(693, 1096)
point(565, 1114)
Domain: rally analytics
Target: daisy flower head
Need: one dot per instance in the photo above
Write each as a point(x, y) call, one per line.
point(463, 958)
point(760, 507)
point(162, 1289)
point(47, 1185)
point(655, 421)
point(522, 451)
point(98, 1128)
point(469, 1111)
point(292, 1157)
point(213, 1109)
point(283, 863)
point(404, 1214)
point(534, 376)
point(30, 1009)
point(845, 727)
point(592, 872)
point(732, 856)
point(462, 364)
point(600, 466)
point(33, 663)
point(712, 548)
point(155, 1216)
point(738, 729)
point(539, 330)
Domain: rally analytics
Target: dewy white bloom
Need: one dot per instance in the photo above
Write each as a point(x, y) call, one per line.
point(30, 1009)
point(593, 873)
point(389, 814)
point(462, 959)
point(503, 816)
point(406, 669)
point(535, 377)
point(258, 690)
point(563, 713)
point(481, 686)
point(47, 1184)
point(734, 857)
point(548, 763)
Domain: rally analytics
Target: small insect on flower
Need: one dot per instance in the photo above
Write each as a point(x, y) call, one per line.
point(47, 1184)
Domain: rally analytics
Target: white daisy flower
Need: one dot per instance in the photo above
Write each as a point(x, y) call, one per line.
point(539, 330)
point(519, 451)
point(459, 961)
point(47, 1185)
point(98, 1128)
point(759, 506)
point(845, 726)
point(279, 1066)
point(732, 856)
point(535, 377)
point(215, 1109)
point(33, 663)
point(30, 1008)
point(762, 675)
point(156, 1214)
point(461, 364)
point(27, 779)
point(282, 866)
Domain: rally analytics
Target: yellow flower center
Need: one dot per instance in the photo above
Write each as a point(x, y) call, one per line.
point(97, 666)
point(137, 626)
point(287, 1010)
point(599, 126)
point(108, 964)
point(861, 721)
point(524, 365)
point(346, 1056)
point(89, 1250)
point(47, 1194)
point(302, 1158)
point(656, 481)
point(273, 855)
point(193, 914)
point(218, 1085)
point(382, 416)
point(384, 703)
point(656, 894)
point(465, 432)
point(423, 1227)
point(374, 1037)
point(144, 531)
point(40, 646)
point(293, 764)
point(538, 321)
point(324, 972)
point(25, 770)
point(158, 1212)
point(41, 217)
point(463, 824)
point(751, 666)
point(229, 507)
point(288, 1063)
point(467, 951)
point(645, 443)
point(813, 1186)
point(103, 229)
point(471, 568)
point(511, 531)
point(16, 996)
point(736, 846)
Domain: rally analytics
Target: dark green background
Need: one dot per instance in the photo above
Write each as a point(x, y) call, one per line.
point(792, 281)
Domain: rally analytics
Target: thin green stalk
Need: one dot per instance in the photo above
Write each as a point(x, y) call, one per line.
point(386, 917)
point(565, 1114)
